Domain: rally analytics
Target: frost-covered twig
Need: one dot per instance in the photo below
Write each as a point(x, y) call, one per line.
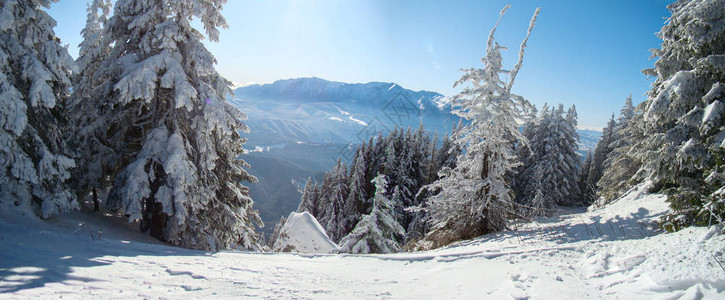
point(517, 66)
point(490, 41)
point(718, 262)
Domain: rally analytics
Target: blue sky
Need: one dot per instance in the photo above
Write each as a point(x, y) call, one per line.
point(587, 53)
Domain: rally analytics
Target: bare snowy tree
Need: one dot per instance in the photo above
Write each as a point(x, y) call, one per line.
point(475, 197)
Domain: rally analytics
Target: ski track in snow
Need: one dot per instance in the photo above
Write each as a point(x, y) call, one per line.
point(614, 252)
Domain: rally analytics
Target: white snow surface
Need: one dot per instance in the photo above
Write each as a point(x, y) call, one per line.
point(612, 252)
point(302, 233)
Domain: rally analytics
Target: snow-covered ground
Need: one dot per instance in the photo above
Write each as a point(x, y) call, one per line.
point(614, 252)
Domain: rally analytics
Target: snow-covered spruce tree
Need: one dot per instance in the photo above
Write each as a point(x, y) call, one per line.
point(596, 169)
point(310, 197)
point(447, 155)
point(570, 161)
point(335, 190)
point(404, 156)
point(683, 123)
point(378, 231)
point(620, 166)
point(87, 131)
point(35, 79)
point(550, 163)
point(357, 198)
point(179, 169)
point(475, 197)
point(397, 167)
point(587, 191)
point(521, 181)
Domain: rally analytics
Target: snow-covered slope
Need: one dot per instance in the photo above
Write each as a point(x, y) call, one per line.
point(613, 252)
point(302, 233)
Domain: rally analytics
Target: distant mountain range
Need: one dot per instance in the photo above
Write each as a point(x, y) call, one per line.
point(313, 110)
point(300, 127)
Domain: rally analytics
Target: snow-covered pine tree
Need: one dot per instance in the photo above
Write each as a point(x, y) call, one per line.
point(179, 170)
point(596, 169)
point(336, 192)
point(627, 111)
point(35, 79)
point(432, 166)
point(621, 166)
point(94, 48)
point(378, 231)
point(87, 131)
point(422, 155)
point(682, 149)
point(323, 199)
point(588, 192)
point(475, 197)
point(310, 198)
point(557, 168)
point(550, 170)
point(356, 202)
point(525, 180)
point(570, 161)
point(405, 174)
point(404, 156)
point(425, 166)
point(619, 134)
point(447, 155)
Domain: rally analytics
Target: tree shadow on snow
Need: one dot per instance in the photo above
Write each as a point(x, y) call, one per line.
point(33, 254)
point(576, 227)
point(572, 226)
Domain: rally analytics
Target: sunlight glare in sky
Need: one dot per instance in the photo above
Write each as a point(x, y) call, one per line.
point(587, 53)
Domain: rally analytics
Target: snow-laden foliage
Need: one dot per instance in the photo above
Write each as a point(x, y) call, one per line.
point(549, 174)
point(409, 160)
point(598, 158)
point(35, 75)
point(619, 167)
point(87, 134)
point(679, 136)
point(585, 188)
point(170, 142)
point(611, 168)
point(310, 196)
point(335, 189)
point(475, 197)
point(378, 231)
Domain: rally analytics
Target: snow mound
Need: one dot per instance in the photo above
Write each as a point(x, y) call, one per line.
point(302, 233)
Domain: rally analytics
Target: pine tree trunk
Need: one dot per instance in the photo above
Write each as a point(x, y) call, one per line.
point(95, 200)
